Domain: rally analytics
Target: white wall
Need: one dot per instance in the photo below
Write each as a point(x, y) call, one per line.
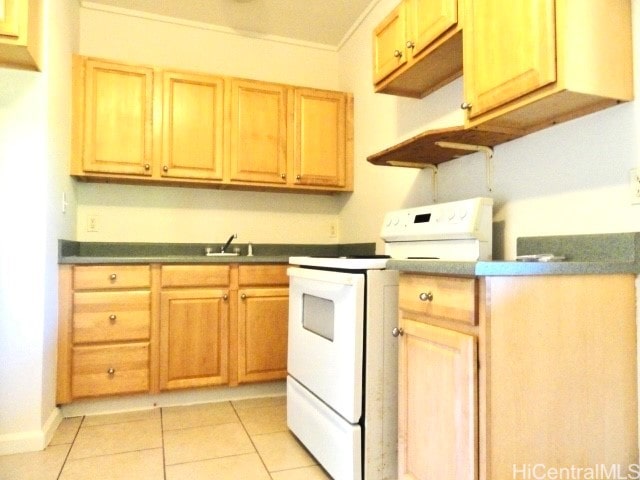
point(34, 152)
point(152, 214)
point(571, 178)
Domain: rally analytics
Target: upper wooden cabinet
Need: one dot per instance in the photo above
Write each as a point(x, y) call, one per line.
point(417, 48)
point(113, 111)
point(529, 65)
point(20, 33)
point(136, 124)
point(322, 149)
point(549, 61)
point(192, 126)
point(258, 132)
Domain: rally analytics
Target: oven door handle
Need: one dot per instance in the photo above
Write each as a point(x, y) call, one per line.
point(340, 278)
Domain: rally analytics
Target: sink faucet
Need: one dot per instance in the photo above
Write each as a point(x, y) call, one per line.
point(226, 245)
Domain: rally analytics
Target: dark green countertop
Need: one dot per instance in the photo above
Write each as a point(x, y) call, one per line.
point(593, 254)
point(93, 253)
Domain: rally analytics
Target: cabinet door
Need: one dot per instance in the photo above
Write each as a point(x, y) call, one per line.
point(192, 140)
point(389, 44)
point(320, 138)
point(262, 334)
point(9, 19)
point(436, 403)
point(118, 114)
point(510, 50)
point(258, 132)
point(194, 338)
point(427, 20)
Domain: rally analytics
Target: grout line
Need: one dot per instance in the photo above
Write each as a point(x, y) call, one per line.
point(66, 457)
point(164, 460)
point(251, 440)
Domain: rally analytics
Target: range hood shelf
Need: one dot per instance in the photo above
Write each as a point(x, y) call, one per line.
point(421, 150)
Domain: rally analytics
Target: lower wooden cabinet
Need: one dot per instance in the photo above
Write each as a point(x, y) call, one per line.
point(544, 375)
point(105, 324)
point(146, 328)
point(263, 310)
point(437, 391)
point(194, 338)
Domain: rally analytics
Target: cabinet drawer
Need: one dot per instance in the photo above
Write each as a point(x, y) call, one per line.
point(445, 298)
point(107, 370)
point(111, 316)
point(195, 275)
point(263, 275)
point(111, 276)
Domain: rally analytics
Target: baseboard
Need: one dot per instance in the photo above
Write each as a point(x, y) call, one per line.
point(31, 441)
point(169, 399)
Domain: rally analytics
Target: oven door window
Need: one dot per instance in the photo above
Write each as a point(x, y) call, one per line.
point(318, 315)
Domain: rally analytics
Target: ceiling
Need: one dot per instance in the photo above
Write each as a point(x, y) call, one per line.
point(316, 21)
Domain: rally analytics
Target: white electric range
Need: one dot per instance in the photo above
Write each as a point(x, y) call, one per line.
point(342, 357)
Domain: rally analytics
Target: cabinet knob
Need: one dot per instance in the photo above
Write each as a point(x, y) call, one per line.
point(243, 296)
point(147, 166)
point(465, 106)
point(298, 177)
point(225, 297)
point(113, 277)
point(165, 169)
point(411, 44)
point(396, 332)
point(111, 371)
point(426, 296)
point(397, 53)
point(112, 318)
point(283, 176)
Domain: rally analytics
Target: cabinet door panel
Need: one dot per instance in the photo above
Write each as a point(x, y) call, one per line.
point(389, 44)
point(262, 334)
point(427, 20)
point(517, 36)
point(258, 132)
point(437, 403)
point(320, 138)
point(118, 118)
point(9, 19)
point(194, 338)
point(192, 126)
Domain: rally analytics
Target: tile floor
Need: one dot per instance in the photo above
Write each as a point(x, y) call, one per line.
point(239, 440)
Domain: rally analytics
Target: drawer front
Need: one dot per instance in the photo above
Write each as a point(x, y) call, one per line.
point(111, 316)
point(97, 277)
point(108, 370)
point(444, 298)
point(263, 275)
point(195, 275)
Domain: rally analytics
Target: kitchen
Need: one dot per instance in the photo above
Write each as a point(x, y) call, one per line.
point(572, 178)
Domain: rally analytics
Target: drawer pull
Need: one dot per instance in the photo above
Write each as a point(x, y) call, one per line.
point(111, 371)
point(112, 318)
point(113, 277)
point(396, 332)
point(243, 296)
point(426, 296)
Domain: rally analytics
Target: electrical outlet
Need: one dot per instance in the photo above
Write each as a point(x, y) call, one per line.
point(92, 223)
point(634, 186)
point(333, 230)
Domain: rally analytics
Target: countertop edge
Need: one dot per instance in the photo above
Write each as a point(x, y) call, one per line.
point(512, 268)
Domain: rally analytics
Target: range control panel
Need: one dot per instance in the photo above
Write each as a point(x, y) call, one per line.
point(462, 219)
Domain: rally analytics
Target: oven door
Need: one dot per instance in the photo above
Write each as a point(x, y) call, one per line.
point(326, 310)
